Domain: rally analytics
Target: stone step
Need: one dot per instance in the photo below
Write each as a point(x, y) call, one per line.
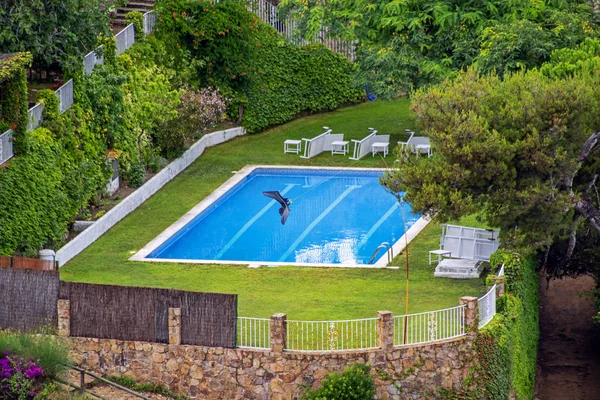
point(143, 9)
point(458, 272)
point(141, 4)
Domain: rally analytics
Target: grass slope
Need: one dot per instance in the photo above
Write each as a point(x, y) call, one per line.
point(302, 293)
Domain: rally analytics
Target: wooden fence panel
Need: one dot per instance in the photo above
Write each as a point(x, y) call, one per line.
point(208, 319)
point(28, 299)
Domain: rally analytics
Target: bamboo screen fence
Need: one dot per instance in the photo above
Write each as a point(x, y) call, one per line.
point(28, 299)
point(141, 314)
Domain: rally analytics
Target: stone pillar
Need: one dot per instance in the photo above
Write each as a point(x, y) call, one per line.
point(471, 313)
point(64, 317)
point(499, 282)
point(174, 325)
point(278, 332)
point(385, 329)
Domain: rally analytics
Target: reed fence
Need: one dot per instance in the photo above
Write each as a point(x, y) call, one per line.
point(28, 299)
point(141, 314)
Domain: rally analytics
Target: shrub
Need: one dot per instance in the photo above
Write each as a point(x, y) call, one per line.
point(254, 67)
point(137, 19)
point(136, 175)
point(198, 112)
point(354, 383)
point(45, 351)
point(506, 348)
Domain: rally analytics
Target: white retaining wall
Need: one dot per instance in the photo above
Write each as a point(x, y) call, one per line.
point(142, 194)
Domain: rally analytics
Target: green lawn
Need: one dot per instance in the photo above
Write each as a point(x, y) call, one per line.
point(302, 293)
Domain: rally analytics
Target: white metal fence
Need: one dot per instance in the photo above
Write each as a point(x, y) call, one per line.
point(92, 59)
point(6, 146)
point(253, 333)
point(501, 271)
point(429, 326)
point(269, 14)
point(487, 307)
point(357, 334)
point(125, 39)
point(149, 22)
point(65, 96)
point(35, 116)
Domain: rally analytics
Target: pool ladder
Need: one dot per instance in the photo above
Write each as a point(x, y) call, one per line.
point(388, 250)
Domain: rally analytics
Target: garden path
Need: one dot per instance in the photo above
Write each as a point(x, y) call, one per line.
point(569, 349)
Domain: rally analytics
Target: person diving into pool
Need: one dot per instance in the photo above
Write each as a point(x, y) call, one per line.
point(284, 211)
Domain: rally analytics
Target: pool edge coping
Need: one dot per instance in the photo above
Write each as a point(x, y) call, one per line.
point(142, 254)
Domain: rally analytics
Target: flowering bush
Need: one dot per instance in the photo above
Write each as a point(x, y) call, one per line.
point(198, 112)
point(19, 379)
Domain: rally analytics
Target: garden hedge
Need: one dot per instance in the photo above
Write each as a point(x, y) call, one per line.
point(506, 348)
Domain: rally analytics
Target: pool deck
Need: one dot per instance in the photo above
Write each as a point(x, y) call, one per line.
point(142, 255)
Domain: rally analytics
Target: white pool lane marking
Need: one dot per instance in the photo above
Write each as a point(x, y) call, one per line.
point(316, 221)
point(376, 226)
point(251, 222)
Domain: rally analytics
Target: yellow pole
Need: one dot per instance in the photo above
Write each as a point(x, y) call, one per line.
point(406, 277)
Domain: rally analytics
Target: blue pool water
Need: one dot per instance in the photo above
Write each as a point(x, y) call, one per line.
point(337, 217)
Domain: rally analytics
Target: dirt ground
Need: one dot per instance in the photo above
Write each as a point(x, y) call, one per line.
point(569, 349)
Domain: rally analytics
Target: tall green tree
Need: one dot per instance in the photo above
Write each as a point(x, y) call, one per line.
point(404, 44)
point(522, 151)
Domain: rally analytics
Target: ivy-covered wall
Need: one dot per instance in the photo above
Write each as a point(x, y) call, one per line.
point(227, 46)
point(506, 348)
point(61, 167)
point(13, 93)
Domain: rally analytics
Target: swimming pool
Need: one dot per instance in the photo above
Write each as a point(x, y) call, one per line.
point(338, 218)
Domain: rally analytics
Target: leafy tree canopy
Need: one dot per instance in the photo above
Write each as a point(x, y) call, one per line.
point(522, 151)
point(56, 32)
point(404, 44)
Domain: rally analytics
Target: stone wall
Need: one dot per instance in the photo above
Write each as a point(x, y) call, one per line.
point(414, 372)
point(200, 372)
point(400, 372)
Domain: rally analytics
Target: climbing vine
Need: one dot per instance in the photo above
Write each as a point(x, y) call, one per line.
point(506, 348)
point(13, 94)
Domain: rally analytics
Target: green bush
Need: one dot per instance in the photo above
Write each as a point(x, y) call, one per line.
point(506, 348)
point(48, 352)
point(51, 104)
point(273, 80)
point(136, 175)
point(354, 383)
point(137, 19)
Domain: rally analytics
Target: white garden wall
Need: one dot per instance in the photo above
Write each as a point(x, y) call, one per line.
point(142, 194)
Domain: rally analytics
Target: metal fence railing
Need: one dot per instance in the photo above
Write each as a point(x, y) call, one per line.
point(254, 333)
point(149, 22)
point(6, 146)
point(65, 96)
point(487, 307)
point(92, 59)
point(501, 271)
point(429, 326)
point(35, 116)
point(125, 39)
point(357, 334)
point(269, 14)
